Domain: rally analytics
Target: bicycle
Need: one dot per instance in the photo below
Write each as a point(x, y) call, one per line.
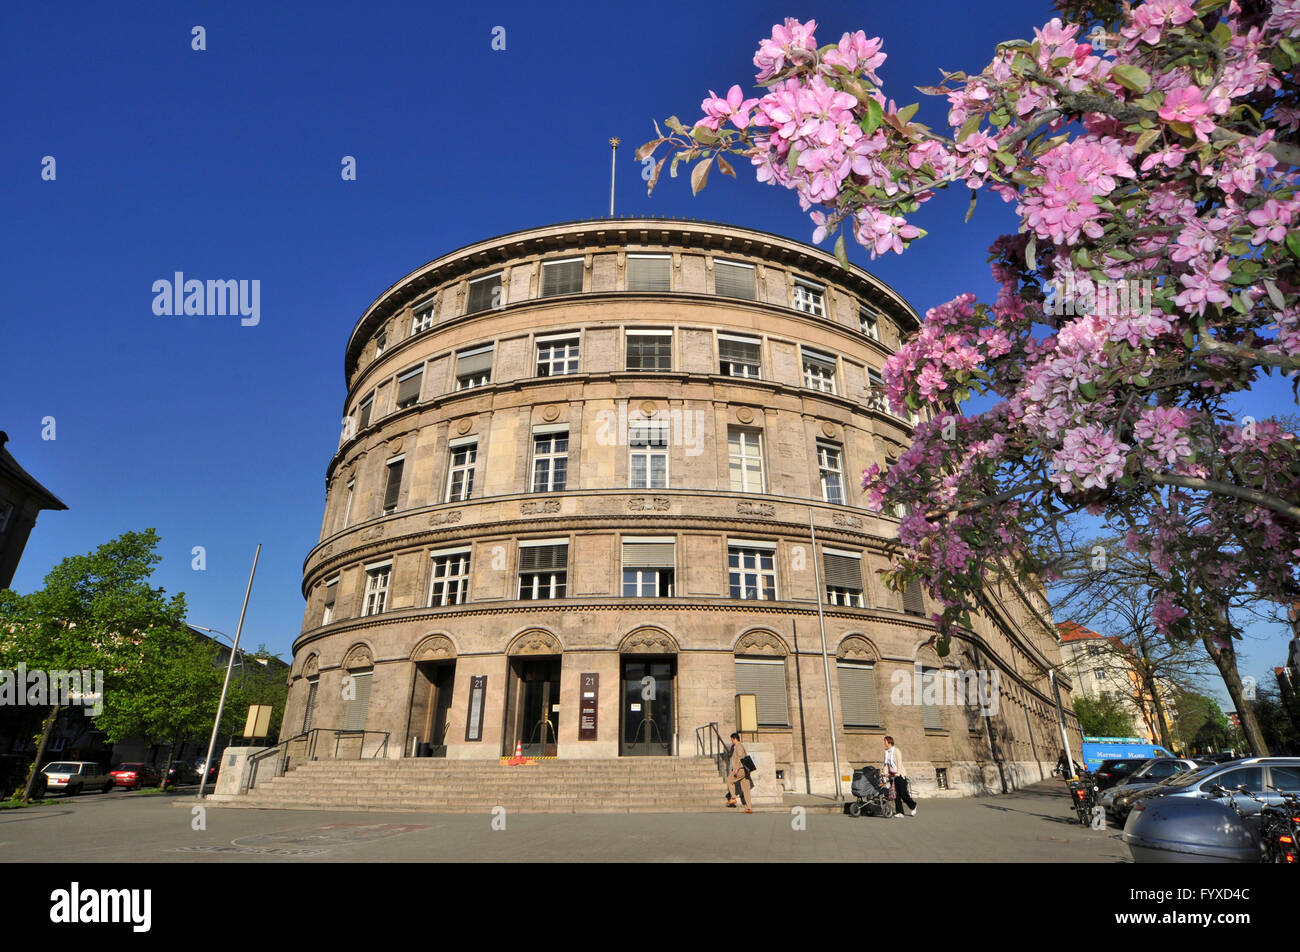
point(1279, 825)
point(1083, 795)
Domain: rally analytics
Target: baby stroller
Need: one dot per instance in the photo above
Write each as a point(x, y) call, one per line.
point(875, 794)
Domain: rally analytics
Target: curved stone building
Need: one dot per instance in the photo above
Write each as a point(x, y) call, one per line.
point(573, 508)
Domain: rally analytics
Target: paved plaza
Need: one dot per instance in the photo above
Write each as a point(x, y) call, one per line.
point(1034, 825)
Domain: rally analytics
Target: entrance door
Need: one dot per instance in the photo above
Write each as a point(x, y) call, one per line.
point(431, 706)
point(647, 728)
point(533, 717)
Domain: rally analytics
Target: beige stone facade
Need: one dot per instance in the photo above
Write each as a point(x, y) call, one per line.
point(705, 391)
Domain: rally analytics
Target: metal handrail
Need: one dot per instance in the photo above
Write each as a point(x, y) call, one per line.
point(709, 743)
point(311, 739)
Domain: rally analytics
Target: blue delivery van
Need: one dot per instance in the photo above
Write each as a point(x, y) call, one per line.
point(1097, 749)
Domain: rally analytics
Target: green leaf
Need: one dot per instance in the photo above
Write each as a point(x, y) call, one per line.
point(1030, 253)
point(1189, 339)
point(907, 112)
point(1145, 139)
point(969, 127)
point(792, 159)
point(971, 208)
point(1142, 381)
point(871, 121)
point(675, 124)
point(1088, 389)
point(841, 252)
point(1293, 243)
point(1131, 77)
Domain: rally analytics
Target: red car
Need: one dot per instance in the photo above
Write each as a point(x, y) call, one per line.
point(135, 776)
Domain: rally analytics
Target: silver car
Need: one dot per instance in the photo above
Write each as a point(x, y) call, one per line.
point(1262, 776)
point(1148, 775)
point(71, 777)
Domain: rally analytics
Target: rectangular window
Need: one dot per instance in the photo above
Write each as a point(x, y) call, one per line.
point(550, 461)
point(752, 569)
point(347, 509)
point(381, 342)
point(1099, 674)
point(367, 405)
point(331, 591)
point(474, 367)
point(377, 578)
point(1094, 650)
point(650, 350)
point(876, 392)
point(649, 273)
point(931, 718)
point(913, 599)
point(460, 477)
point(557, 355)
point(808, 297)
point(818, 371)
point(422, 319)
point(869, 320)
point(449, 579)
point(732, 279)
point(561, 277)
point(745, 455)
point(408, 387)
point(843, 577)
point(394, 487)
point(858, 694)
point(648, 455)
point(312, 685)
point(648, 567)
point(354, 716)
point(765, 679)
point(739, 357)
point(543, 570)
point(484, 293)
point(829, 473)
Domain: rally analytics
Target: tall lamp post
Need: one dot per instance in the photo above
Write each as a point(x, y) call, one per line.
point(234, 650)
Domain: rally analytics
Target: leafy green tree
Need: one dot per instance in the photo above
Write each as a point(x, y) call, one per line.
point(1274, 721)
point(95, 612)
point(1201, 722)
point(1103, 717)
point(172, 695)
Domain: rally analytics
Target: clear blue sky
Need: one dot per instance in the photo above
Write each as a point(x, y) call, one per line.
point(225, 164)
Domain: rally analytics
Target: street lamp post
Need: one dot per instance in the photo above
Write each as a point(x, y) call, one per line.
point(234, 650)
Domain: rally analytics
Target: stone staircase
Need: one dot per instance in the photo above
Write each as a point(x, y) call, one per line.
point(434, 785)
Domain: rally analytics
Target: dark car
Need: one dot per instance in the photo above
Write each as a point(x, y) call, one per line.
point(1116, 800)
point(13, 777)
point(1262, 776)
point(1111, 772)
point(134, 776)
point(182, 773)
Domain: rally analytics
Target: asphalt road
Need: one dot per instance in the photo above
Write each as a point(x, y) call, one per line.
point(1030, 826)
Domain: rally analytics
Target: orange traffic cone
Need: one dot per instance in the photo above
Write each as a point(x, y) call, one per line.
point(518, 758)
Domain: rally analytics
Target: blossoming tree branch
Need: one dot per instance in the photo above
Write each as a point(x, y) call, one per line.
point(1157, 157)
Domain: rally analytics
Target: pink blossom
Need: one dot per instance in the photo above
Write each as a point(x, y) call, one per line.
point(1204, 287)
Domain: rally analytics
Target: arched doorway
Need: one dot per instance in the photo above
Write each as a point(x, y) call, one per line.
point(434, 661)
point(648, 679)
point(533, 695)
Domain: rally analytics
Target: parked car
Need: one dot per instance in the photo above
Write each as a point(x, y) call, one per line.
point(1112, 772)
point(71, 777)
point(1259, 775)
point(182, 773)
point(13, 777)
point(136, 775)
point(1147, 775)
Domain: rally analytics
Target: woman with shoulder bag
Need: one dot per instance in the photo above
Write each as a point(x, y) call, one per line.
point(741, 767)
point(894, 770)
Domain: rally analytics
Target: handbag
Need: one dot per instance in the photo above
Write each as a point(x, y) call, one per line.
point(748, 763)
